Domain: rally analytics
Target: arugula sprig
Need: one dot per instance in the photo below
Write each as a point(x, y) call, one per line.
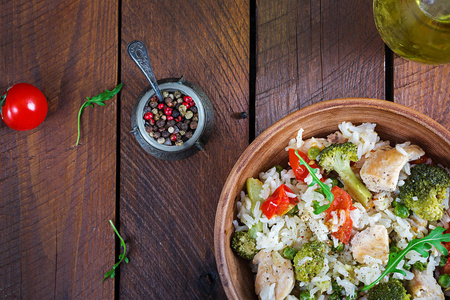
point(99, 100)
point(419, 245)
point(325, 188)
point(111, 273)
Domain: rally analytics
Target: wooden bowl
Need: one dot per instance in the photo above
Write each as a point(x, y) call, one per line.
point(395, 123)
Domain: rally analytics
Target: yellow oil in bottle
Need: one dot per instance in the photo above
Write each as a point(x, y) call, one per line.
point(418, 30)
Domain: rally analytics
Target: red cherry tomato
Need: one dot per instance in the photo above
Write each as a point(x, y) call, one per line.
point(279, 203)
point(23, 107)
point(300, 171)
point(446, 268)
point(342, 202)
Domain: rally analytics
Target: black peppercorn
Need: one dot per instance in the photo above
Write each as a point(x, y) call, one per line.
point(184, 126)
point(173, 120)
point(171, 123)
point(160, 123)
point(175, 113)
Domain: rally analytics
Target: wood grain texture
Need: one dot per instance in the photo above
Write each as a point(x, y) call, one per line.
point(167, 209)
point(310, 51)
point(424, 88)
point(56, 199)
point(394, 123)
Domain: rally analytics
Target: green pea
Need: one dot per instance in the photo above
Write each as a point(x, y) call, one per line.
point(444, 280)
point(289, 253)
point(336, 287)
point(305, 295)
point(320, 191)
point(313, 152)
point(339, 248)
point(419, 266)
point(394, 249)
point(316, 204)
point(395, 203)
point(401, 210)
point(293, 211)
point(334, 296)
point(334, 181)
point(443, 261)
point(278, 168)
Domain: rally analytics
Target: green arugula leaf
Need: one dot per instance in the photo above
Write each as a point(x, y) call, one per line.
point(325, 188)
point(99, 100)
point(419, 245)
point(111, 273)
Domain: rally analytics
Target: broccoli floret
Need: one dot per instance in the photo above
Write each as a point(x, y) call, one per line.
point(309, 260)
point(244, 245)
point(392, 290)
point(425, 190)
point(337, 157)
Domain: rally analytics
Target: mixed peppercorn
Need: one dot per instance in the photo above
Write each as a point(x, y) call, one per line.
point(172, 121)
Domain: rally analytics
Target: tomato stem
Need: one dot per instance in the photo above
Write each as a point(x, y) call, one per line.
point(2, 102)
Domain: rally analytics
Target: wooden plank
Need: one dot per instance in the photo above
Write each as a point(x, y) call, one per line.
point(167, 209)
point(310, 51)
point(56, 199)
point(424, 88)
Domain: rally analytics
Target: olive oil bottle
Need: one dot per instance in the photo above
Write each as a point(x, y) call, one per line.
point(418, 30)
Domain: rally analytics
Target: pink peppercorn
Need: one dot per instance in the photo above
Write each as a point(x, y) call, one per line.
point(169, 118)
point(167, 111)
point(161, 105)
point(173, 137)
point(187, 105)
point(148, 115)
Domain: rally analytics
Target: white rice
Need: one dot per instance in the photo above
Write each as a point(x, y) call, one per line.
point(293, 231)
point(363, 136)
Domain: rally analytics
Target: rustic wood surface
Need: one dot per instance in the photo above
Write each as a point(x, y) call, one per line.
point(310, 51)
point(56, 199)
point(424, 88)
point(167, 209)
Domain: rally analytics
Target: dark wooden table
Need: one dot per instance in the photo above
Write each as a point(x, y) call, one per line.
point(266, 58)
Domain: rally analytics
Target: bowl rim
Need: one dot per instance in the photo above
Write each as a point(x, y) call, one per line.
point(223, 205)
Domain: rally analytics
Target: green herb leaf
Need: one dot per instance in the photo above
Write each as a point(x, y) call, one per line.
point(99, 100)
point(325, 188)
point(419, 245)
point(111, 273)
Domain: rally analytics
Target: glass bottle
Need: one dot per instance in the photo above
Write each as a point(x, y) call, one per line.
point(417, 30)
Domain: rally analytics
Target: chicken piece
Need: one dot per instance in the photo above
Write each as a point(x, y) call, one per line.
point(273, 268)
point(372, 241)
point(425, 286)
point(381, 170)
point(336, 138)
